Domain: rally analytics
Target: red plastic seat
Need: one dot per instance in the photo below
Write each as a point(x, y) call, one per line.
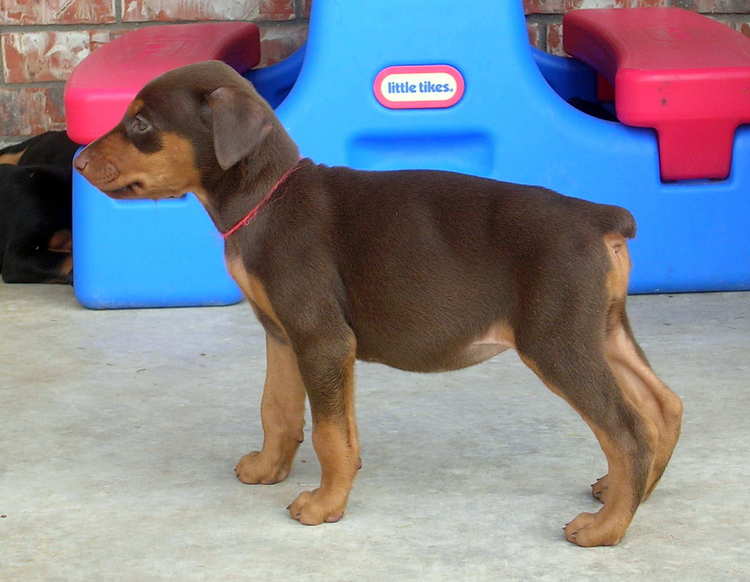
point(679, 72)
point(101, 87)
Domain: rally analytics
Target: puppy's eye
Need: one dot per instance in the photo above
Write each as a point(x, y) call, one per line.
point(140, 124)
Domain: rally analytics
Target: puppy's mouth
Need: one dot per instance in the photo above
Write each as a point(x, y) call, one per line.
point(132, 190)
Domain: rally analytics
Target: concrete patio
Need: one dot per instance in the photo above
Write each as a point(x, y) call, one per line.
point(120, 430)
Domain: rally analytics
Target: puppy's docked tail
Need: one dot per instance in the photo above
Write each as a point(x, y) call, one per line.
point(616, 220)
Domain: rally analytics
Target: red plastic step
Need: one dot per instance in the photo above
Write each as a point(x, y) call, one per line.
point(674, 70)
point(103, 84)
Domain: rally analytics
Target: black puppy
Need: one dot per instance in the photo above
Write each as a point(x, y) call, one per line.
point(35, 224)
point(50, 148)
point(35, 210)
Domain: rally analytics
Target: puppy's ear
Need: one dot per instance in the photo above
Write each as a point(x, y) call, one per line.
point(239, 123)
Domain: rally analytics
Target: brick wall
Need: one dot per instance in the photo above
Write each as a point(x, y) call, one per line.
point(42, 40)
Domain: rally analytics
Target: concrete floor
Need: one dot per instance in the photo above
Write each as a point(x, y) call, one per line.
point(120, 430)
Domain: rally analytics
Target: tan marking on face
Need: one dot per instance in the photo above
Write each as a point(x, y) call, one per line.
point(11, 159)
point(134, 108)
point(166, 173)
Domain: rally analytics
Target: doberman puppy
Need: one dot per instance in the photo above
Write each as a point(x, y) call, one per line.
point(421, 270)
point(35, 210)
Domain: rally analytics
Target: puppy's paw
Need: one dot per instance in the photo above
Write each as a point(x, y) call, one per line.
point(600, 489)
point(591, 529)
point(257, 468)
point(316, 507)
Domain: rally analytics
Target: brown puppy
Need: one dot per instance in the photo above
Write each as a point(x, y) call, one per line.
point(420, 270)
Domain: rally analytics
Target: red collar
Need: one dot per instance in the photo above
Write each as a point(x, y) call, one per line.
point(248, 218)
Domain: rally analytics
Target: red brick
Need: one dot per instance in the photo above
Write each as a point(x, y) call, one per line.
point(166, 10)
point(279, 42)
point(42, 56)
point(31, 57)
point(716, 6)
point(543, 6)
point(276, 10)
point(103, 36)
point(561, 6)
point(745, 28)
point(305, 8)
point(731, 23)
point(706, 6)
point(642, 3)
point(555, 39)
point(28, 111)
point(26, 12)
point(533, 29)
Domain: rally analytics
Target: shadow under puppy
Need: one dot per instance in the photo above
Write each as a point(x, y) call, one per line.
point(35, 210)
point(421, 270)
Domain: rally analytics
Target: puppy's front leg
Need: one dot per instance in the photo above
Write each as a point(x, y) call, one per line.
point(327, 367)
point(282, 414)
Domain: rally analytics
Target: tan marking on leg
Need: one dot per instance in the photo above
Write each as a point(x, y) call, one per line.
point(66, 267)
point(282, 415)
point(648, 394)
point(61, 242)
point(642, 388)
point(336, 443)
point(618, 277)
point(254, 290)
point(283, 403)
point(11, 158)
point(240, 275)
point(256, 293)
point(335, 438)
point(607, 526)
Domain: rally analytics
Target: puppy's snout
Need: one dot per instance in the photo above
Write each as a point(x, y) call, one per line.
point(81, 161)
point(95, 168)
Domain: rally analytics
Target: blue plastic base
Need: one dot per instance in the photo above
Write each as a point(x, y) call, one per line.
point(275, 82)
point(514, 123)
point(141, 253)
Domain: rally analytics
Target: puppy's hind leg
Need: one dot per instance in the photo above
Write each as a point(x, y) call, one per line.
point(560, 335)
point(641, 386)
point(582, 377)
point(660, 407)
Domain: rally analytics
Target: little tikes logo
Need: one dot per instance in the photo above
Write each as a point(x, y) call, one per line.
point(419, 87)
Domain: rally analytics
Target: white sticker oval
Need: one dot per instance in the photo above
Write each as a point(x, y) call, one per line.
point(419, 86)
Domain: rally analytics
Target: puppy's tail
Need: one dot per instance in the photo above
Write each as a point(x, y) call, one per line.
point(614, 219)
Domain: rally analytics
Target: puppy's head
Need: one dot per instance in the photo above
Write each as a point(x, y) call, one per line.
point(179, 134)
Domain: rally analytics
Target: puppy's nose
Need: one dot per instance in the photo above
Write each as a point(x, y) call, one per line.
point(81, 161)
point(95, 168)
